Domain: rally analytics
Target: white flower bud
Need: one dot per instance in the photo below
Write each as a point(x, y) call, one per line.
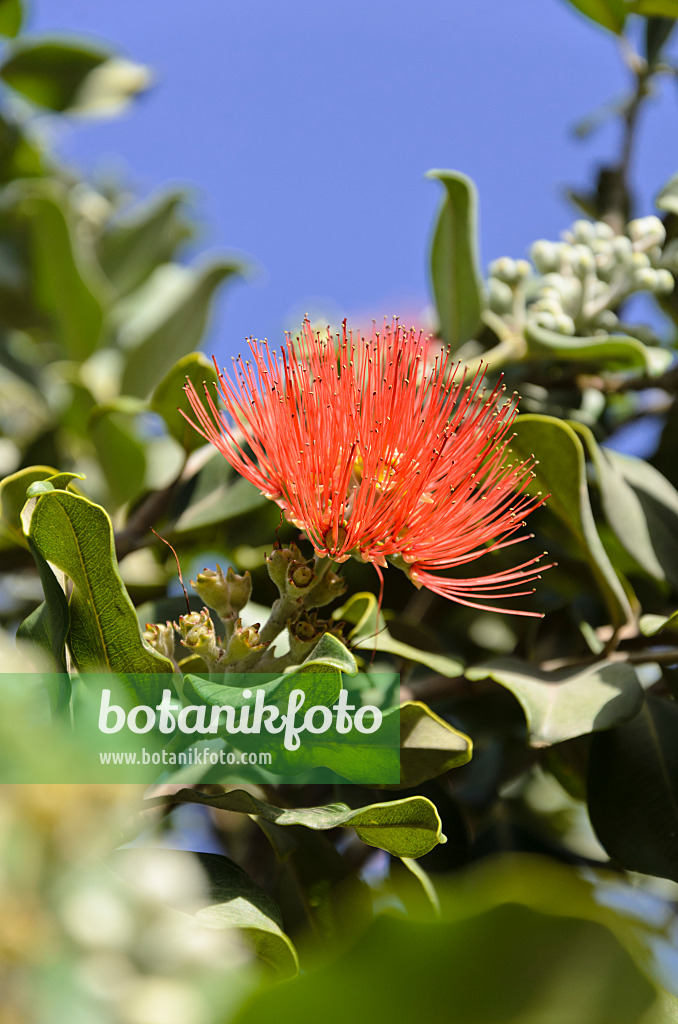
point(665, 282)
point(544, 255)
point(583, 231)
point(504, 269)
point(500, 296)
point(546, 320)
point(607, 320)
point(639, 261)
point(564, 324)
point(622, 248)
point(523, 269)
point(645, 279)
point(582, 260)
point(603, 230)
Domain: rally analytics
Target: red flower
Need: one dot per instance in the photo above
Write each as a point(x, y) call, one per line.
point(376, 449)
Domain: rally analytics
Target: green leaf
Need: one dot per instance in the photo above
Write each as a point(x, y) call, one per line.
point(494, 957)
point(121, 455)
point(48, 626)
point(77, 537)
point(611, 14)
point(454, 261)
point(13, 498)
point(409, 827)
point(633, 790)
point(218, 495)
point(64, 75)
point(63, 282)
point(369, 633)
point(570, 702)
point(11, 17)
point(133, 245)
point(328, 652)
point(668, 197)
point(168, 396)
point(614, 352)
point(655, 8)
point(561, 472)
point(650, 625)
point(640, 505)
point(170, 323)
point(429, 747)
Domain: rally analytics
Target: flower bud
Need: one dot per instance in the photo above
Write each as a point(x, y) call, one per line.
point(500, 296)
point(607, 320)
point(278, 563)
point(544, 255)
point(603, 230)
point(227, 594)
point(582, 260)
point(545, 320)
point(639, 261)
point(244, 641)
point(161, 637)
point(564, 324)
point(199, 637)
point(622, 248)
point(645, 279)
point(665, 282)
point(583, 231)
point(504, 270)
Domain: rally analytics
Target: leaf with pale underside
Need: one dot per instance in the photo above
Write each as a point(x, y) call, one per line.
point(569, 702)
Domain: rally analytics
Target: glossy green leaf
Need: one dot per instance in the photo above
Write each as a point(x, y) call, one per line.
point(633, 790)
point(561, 472)
point(370, 633)
point(611, 14)
point(169, 396)
point(650, 625)
point(121, 455)
point(640, 505)
point(65, 288)
point(170, 323)
point(218, 495)
point(48, 627)
point(655, 8)
point(11, 17)
point(615, 352)
point(405, 828)
point(329, 652)
point(63, 75)
point(493, 957)
point(429, 746)
point(455, 277)
point(77, 537)
point(570, 702)
point(231, 899)
point(135, 243)
point(13, 498)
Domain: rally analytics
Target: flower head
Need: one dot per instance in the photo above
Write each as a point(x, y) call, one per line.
point(379, 448)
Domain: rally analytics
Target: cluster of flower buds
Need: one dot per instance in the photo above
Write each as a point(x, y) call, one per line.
point(160, 637)
point(227, 595)
point(199, 637)
point(581, 280)
point(296, 579)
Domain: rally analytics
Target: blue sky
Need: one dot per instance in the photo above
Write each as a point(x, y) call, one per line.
point(307, 129)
